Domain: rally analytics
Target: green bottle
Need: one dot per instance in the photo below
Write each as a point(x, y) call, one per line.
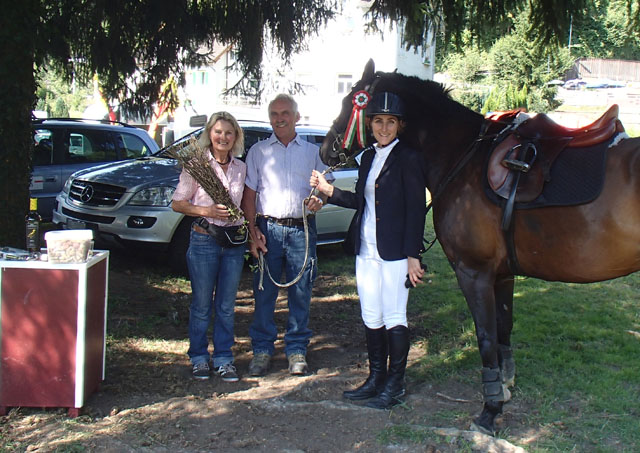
point(32, 221)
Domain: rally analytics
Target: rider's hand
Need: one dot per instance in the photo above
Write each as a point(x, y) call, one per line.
point(415, 271)
point(318, 181)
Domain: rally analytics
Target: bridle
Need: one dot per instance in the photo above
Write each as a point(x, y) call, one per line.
point(338, 150)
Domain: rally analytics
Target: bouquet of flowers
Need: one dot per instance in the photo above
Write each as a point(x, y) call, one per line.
point(195, 160)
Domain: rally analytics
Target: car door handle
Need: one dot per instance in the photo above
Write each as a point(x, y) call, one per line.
point(52, 179)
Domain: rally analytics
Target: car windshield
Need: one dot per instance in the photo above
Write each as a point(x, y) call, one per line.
point(162, 151)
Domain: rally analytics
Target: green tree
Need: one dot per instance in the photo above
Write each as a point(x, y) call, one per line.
point(608, 29)
point(59, 98)
point(465, 22)
point(133, 46)
point(468, 67)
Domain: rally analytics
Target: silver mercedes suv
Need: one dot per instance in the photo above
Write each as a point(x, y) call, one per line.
point(63, 146)
point(131, 201)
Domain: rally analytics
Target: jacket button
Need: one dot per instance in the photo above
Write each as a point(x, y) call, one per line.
point(377, 185)
point(377, 219)
point(377, 202)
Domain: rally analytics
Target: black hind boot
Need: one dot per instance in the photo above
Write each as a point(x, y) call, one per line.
point(377, 350)
point(394, 389)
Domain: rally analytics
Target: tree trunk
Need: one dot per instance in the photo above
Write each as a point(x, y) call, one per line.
point(17, 98)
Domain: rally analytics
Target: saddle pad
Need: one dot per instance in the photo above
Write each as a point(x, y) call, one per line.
point(577, 177)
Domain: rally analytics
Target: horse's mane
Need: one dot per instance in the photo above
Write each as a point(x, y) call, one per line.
point(426, 98)
point(430, 107)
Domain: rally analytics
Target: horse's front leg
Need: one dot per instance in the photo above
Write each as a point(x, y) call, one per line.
point(478, 289)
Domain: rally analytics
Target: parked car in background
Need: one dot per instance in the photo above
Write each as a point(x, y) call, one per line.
point(131, 201)
point(604, 83)
point(63, 146)
point(574, 84)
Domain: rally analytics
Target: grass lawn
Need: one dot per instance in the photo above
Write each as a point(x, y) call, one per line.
point(576, 348)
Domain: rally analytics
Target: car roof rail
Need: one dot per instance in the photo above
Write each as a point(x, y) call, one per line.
point(101, 121)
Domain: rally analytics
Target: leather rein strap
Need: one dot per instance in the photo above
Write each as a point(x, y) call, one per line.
point(457, 168)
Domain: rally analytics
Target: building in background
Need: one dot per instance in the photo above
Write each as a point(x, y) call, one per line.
point(324, 73)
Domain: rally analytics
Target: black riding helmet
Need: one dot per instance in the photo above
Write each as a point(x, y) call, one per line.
point(386, 103)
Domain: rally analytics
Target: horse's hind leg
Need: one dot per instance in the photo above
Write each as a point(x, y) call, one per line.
point(504, 321)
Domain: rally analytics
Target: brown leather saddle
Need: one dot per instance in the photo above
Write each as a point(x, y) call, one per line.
point(523, 155)
point(532, 147)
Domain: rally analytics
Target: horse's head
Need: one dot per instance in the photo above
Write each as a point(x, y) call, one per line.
point(334, 144)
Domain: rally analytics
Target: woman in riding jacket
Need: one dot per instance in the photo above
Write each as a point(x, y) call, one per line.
point(386, 236)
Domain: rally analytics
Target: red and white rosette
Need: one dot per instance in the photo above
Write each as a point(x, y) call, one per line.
point(355, 126)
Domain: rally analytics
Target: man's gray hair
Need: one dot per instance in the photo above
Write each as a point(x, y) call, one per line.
point(288, 98)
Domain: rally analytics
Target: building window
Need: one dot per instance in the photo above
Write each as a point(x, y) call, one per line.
point(345, 82)
point(200, 77)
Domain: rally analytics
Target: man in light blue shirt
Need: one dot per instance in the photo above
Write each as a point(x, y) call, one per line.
point(277, 182)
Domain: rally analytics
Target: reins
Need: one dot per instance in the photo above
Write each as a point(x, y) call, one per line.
point(460, 164)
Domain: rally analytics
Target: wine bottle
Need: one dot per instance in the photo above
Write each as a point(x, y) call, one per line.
point(32, 221)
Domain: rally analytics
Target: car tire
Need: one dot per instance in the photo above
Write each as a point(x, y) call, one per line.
point(178, 247)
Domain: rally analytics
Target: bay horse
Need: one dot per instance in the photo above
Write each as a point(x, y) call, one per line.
point(593, 241)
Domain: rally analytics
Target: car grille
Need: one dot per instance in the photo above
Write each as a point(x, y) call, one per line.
point(95, 194)
point(88, 217)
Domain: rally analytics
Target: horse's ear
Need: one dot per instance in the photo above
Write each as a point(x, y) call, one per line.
point(369, 70)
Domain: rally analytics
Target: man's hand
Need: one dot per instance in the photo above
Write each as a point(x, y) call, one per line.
point(314, 204)
point(258, 241)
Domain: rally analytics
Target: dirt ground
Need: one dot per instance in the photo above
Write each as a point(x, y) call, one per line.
point(149, 402)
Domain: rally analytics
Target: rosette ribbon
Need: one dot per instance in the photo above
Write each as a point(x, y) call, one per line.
point(355, 126)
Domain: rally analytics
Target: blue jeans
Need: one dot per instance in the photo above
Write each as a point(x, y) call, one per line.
point(212, 269)
point(286, 250)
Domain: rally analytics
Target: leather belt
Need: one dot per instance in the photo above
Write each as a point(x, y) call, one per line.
point(286, 221)
point(199, 229)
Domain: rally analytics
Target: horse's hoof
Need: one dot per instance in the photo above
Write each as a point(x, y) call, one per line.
point(481, 429)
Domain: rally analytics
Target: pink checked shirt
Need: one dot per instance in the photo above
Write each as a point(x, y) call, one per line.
point(233, 181)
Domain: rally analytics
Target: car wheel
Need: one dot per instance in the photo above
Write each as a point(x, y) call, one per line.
point(178, 247)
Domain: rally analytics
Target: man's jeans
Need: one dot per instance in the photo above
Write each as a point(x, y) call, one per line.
point(212, 268)
point(286, 250)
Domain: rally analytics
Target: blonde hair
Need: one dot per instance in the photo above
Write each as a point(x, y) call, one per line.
point(205, 137)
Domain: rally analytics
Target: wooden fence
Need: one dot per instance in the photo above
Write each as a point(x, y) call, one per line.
point(597, 68)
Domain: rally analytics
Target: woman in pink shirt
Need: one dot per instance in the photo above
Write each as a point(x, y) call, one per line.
point(214, 266)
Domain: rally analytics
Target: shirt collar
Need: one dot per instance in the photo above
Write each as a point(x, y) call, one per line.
point(232, 159)
point(274, 139)
point(385, 150)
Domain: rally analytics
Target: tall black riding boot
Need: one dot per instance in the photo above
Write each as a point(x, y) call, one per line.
point(394, 390)
point(378, 352)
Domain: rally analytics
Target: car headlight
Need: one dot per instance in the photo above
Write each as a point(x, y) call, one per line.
point(67, 185)
point(153, 196)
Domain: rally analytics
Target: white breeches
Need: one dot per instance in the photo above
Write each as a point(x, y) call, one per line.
point(383, 297)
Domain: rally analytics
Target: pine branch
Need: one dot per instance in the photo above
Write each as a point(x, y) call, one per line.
point(195, 160)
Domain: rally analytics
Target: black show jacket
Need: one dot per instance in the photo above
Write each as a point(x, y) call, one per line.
point(400, 204)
